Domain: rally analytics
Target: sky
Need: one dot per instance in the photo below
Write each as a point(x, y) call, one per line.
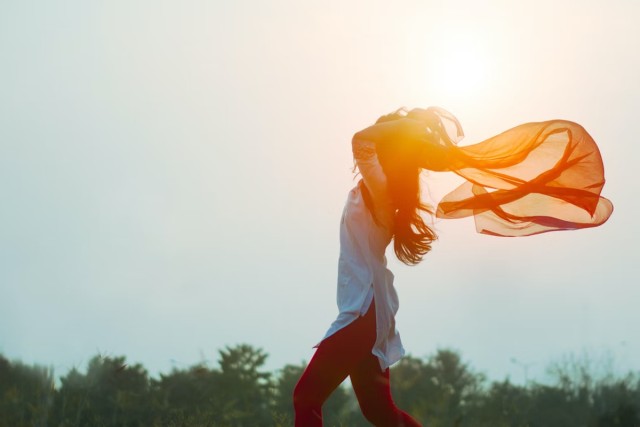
point(173, 174)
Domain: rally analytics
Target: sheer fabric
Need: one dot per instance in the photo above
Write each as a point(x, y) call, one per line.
point(534, 178)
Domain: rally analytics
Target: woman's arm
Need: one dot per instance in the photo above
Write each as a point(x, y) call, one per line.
point(409, 137)
point(400, 131)
point(364, 153)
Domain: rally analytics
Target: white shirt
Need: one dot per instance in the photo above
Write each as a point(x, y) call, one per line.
point(362, 266)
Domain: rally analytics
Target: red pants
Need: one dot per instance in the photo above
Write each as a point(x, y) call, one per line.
point(348, 353)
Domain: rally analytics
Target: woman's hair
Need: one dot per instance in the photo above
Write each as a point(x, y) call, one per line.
point(412, 237)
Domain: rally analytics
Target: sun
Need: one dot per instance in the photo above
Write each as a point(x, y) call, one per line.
point(461, 66)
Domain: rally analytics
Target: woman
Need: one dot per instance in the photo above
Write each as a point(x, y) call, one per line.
point(534, 178)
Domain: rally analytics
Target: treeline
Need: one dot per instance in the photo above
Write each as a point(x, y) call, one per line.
point(439, 390)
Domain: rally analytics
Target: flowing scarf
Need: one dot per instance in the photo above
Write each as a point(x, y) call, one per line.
point(531, 179)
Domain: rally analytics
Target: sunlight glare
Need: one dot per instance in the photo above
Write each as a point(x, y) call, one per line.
point(461, 67)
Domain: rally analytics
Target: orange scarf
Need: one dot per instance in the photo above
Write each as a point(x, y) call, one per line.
point(534, 178)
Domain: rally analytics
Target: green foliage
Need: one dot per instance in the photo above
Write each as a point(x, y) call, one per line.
point(244, 391)
point(503, 404)
point(185, 397)
point(25, 394)
point(440, 390)
point(110, 393)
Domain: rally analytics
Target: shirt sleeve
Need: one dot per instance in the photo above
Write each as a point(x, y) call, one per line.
point(364, 153)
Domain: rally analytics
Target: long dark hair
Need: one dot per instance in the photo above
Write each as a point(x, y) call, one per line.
point(412, 237)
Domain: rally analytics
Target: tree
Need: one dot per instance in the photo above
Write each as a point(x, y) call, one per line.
point(617, 403)
point(111, 393)
point(283, 392)
point(502, 405)
point(439, 392)
point(186, 397)
point(26, 393)
point(244, 390)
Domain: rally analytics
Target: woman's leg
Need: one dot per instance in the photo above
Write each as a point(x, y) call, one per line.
point(321, 377)
point(371, 386)
point(335, 358)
